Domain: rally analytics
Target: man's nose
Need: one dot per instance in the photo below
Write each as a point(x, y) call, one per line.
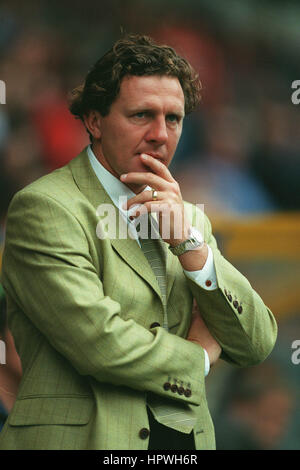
point(158, 131)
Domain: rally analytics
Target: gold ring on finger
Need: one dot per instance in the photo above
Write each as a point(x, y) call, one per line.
point(154, 194)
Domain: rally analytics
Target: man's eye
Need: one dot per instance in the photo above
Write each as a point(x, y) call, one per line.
point(140, 115)
point(172, 118)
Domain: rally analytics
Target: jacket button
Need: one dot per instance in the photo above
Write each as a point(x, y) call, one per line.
point(144, 433)
point(229, 297)
point(181, 390)
point(187, 393)
point(167, 386)
point(208, 283)
point(154, 325)
point(240, 309)
point(235, 303)
point(174, 388)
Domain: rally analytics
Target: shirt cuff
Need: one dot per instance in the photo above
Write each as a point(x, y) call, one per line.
point(207, 363)
point(205, 277)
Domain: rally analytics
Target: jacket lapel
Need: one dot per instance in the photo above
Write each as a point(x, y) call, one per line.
point(128, 248)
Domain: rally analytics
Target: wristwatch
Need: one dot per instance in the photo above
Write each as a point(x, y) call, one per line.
point(194, 241)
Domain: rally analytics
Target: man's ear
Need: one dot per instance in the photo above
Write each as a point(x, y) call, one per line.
point(92, 122)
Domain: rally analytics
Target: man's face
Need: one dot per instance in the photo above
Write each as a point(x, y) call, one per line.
point(146, 117)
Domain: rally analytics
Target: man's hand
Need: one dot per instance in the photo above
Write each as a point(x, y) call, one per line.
point(199, 333)
point(173, 221)
point(174, 224)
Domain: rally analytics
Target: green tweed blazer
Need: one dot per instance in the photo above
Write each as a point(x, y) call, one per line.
point(81, 310)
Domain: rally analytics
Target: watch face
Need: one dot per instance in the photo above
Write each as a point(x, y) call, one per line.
point(191, 244)
point(195, 240)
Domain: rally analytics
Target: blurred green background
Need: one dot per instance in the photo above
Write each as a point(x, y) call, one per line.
point(238, 155)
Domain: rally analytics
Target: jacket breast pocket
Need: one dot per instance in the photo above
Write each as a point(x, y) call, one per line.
point(68, 410)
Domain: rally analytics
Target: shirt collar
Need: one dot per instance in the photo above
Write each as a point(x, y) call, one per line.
point(116, 190)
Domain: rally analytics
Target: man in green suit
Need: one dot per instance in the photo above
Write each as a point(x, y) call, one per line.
point(114, 355)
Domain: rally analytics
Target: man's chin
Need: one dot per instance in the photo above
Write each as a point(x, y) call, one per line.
point(136, 188)
point(139, 164)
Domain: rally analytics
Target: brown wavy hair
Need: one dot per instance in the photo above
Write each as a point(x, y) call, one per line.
point(136, 55)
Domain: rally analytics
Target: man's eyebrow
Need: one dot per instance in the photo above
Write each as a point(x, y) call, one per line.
point(149, 108)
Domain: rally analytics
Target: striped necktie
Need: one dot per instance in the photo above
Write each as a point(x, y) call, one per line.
point(172, 413)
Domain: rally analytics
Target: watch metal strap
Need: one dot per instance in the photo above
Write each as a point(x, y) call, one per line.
point(182, 247)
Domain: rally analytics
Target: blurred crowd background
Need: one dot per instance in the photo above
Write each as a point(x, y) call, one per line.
point(239, 156)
